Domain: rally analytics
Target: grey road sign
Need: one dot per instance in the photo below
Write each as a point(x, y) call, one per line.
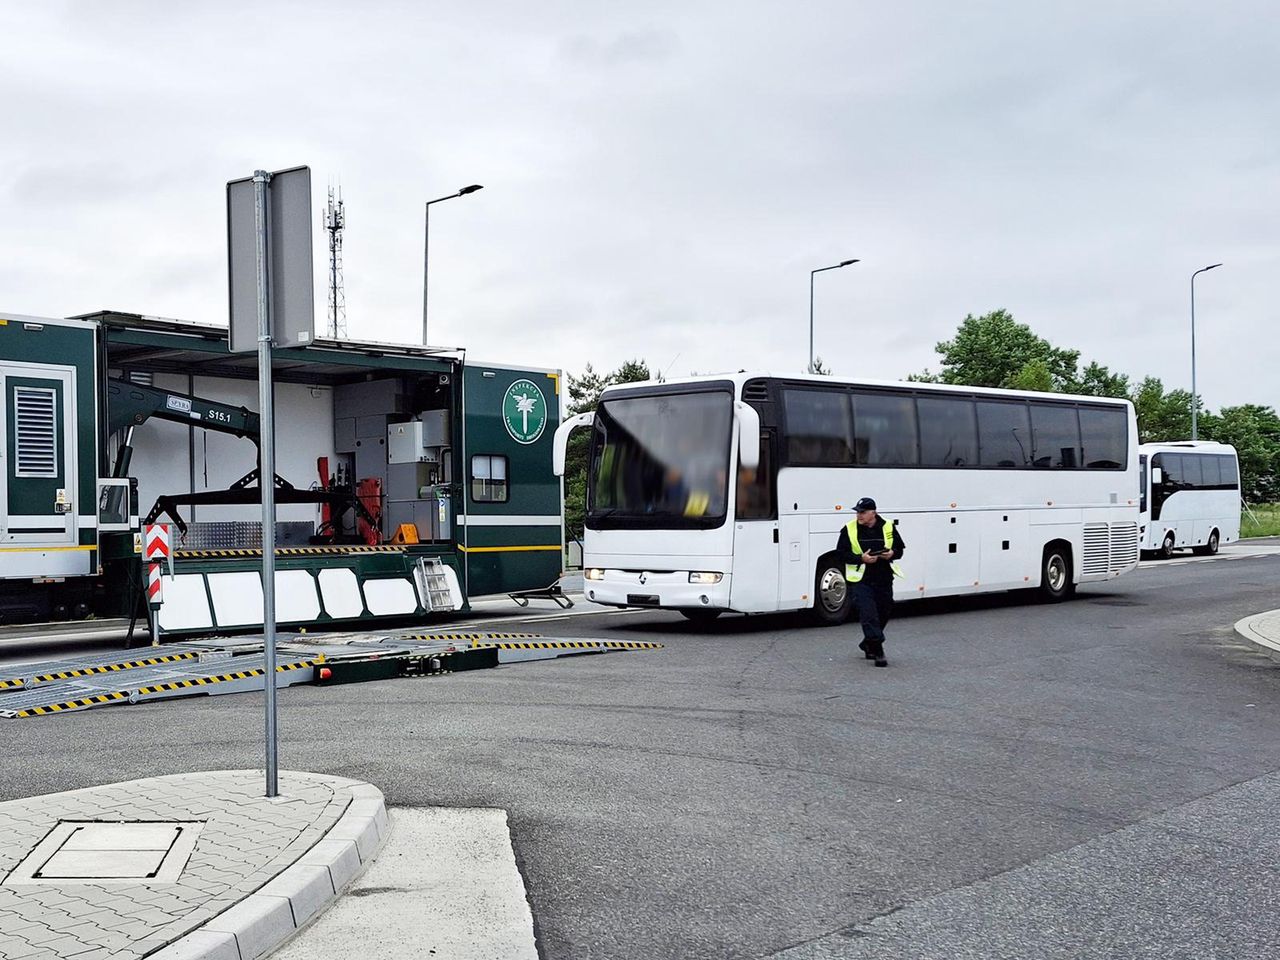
point(289, 258)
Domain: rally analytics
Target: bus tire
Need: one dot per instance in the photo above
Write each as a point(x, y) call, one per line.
point(1211, 545)
point(1167, 546)
point(699, 615)
point(832, 598)
point(1056, 584)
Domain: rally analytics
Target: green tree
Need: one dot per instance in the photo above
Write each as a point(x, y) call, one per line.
point(1161, 415)
point(584, 395)
point(1034, 375)
point(1254, 431)
point(1095, 380)
point(994, 350)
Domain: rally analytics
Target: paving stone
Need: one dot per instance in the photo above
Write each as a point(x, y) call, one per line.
point(245, 843)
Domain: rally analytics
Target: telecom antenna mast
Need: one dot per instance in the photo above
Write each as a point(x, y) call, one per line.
point(335, 219)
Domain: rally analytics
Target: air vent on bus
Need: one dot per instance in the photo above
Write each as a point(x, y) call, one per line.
point(1124, 546)
point(755, 390)
point(1097, 551)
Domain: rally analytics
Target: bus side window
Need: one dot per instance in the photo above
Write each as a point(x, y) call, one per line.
point(1211, 471)
point(1230, 475)
point(1192, 476)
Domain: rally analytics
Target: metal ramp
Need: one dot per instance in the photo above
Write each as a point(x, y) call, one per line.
point(46, 671)
point(165, 679)
point(213, 667)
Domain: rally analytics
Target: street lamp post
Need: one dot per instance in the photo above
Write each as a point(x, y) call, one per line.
point(1194, 395)
point(426, 245)
point(834, 266)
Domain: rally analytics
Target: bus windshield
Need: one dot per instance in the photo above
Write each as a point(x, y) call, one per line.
point(661, 460)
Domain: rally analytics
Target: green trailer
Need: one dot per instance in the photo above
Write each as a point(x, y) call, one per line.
point(409, 479)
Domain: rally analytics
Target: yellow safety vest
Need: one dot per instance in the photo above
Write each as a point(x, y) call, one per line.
point(853, 572)
point(697, 504)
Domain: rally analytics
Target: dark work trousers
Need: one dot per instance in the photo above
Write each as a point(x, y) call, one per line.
point(873, 600)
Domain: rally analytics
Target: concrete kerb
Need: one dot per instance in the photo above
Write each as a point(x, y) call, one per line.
point(1263, 631)
point(267, 918)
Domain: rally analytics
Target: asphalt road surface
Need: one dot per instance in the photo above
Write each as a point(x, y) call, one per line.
point(1090, 779)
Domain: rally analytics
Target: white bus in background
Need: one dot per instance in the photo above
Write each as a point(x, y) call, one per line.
point(728, 493)
point(1190, 496)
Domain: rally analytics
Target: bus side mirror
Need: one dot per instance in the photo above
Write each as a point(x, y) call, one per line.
point(748, 434)
point(561, 446)
point(1157, 476)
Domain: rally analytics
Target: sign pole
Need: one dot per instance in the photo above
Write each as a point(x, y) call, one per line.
point(266, 474)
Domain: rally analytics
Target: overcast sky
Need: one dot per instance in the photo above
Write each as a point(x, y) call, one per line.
point(660, 177)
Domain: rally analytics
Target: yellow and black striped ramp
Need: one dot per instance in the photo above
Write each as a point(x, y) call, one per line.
point(16, 683)
point(205, 681)
point(248, 553)
point(66, 705)
point(472, 636)
point(571, 645)
point(98, 668)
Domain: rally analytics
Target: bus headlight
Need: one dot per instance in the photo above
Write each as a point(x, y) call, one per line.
point(594, 573)
point(705, 576)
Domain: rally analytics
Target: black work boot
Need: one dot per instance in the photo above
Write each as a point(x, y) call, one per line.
point(866, 649)
point(877, 654)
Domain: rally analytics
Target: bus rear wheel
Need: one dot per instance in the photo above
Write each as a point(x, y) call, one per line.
point(1055, 574)
point(832, 598)
point(1210, 547)
point(1166, 547)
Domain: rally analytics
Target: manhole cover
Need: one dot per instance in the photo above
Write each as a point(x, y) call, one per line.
point(77, 851)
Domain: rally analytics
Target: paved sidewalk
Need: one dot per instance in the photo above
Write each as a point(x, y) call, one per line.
point(1262, 630)
point(194, 865)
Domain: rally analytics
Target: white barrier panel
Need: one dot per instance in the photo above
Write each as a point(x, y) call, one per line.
point(340, 591)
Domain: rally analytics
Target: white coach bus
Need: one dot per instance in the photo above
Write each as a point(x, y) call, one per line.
point(728, 493)
point(1190, 496)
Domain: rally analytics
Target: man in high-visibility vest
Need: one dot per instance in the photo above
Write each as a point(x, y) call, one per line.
point(870, 548)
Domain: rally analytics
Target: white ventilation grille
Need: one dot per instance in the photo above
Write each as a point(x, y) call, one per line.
point(1096, 548)
point(1124, 546)
point(36, 431)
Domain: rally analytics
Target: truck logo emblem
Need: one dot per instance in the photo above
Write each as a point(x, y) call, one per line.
point(524, 411)
point(644, 578)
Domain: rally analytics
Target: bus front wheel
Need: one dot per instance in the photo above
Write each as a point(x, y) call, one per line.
point(1166, 547)
point(832, 598)
point(1055, 574)
point(1210, 547)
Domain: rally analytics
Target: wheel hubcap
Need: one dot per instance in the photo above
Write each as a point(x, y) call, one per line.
point(1057, 573)
point(832, 590)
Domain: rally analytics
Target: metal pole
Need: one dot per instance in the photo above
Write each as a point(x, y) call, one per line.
point(1194, 396)
point(426, 244)
point(266, 476)
point(1194, 433)
point(811, 273)
point(834, 266)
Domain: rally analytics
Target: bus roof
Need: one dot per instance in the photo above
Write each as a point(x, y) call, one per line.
point(1186, 446)
point(738, 379)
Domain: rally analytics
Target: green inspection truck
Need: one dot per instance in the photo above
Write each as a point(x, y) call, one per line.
point(408, 479)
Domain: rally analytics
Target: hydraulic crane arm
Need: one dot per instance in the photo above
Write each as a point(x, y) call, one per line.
point(130, 404)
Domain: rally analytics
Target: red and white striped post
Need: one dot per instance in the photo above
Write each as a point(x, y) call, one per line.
point(157, 548)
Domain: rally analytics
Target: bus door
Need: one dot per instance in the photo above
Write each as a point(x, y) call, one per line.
point(757, 549)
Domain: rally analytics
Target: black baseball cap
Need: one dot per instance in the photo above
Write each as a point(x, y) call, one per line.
point(866, 503)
